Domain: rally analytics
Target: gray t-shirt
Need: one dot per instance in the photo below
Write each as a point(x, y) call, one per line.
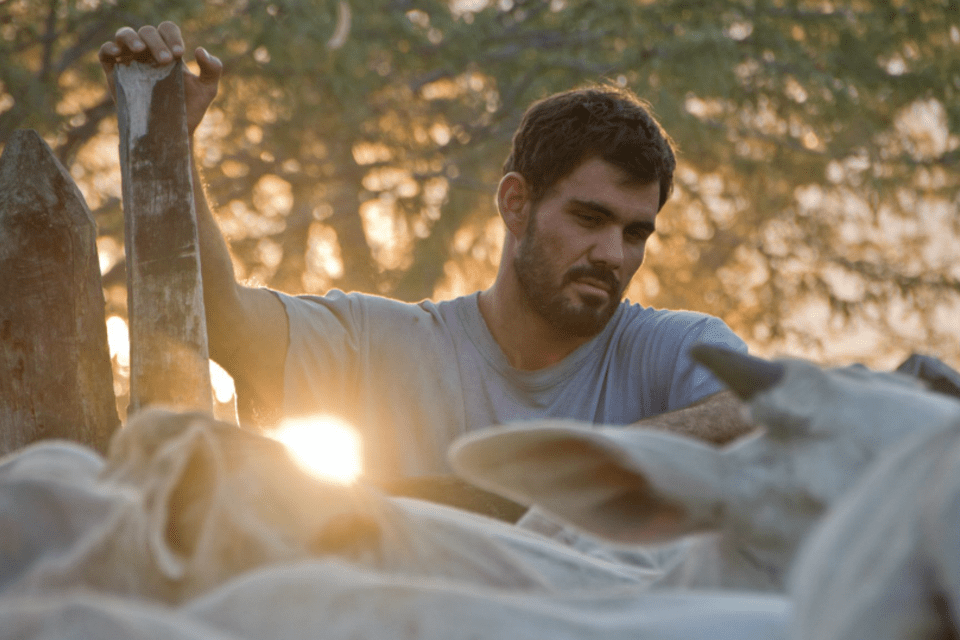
point(414, 377)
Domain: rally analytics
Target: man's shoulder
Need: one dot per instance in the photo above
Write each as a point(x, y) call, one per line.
point(376, 317)
point(636, 314)
point(358, 303)
point(681, 327)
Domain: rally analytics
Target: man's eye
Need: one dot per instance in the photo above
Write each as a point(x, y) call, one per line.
point(588, 219)
point(637, 236)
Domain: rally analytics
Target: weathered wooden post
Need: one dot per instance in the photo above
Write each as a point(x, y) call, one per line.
point(55, 374)
point(169, 357)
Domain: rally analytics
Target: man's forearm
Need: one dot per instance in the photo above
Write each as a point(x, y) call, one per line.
point(717, 419)
point(247, 327)
point(220, 297)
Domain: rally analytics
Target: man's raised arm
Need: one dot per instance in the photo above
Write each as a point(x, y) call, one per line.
point(246, 327)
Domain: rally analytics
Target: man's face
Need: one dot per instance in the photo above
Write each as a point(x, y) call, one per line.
point(584, 241)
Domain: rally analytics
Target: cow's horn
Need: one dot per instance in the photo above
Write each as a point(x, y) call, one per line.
point(745, 375)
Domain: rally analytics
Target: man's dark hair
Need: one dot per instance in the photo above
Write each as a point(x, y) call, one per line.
point(560, 132)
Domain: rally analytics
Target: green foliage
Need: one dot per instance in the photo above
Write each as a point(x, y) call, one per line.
point(816, 201)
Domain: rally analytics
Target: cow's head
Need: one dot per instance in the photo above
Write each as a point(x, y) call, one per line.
point(218, 500)
point(764, 491)
point(798, 399)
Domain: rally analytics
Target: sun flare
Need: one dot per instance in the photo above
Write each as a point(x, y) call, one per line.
point(325, 446)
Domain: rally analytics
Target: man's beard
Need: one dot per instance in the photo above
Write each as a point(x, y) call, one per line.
point(581, 320)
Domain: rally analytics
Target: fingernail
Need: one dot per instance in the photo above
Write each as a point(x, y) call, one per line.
point(177, 50)
point(163, 56)
point(137, 46)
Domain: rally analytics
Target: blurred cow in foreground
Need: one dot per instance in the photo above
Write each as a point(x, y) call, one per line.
point(759, 496)
point(50, 498)
point(183, 503)
point(192, 524)
point(889, 551)
point(225, 526)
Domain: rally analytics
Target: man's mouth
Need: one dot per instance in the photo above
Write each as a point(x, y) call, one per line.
point(596, 281)
point(595, 285)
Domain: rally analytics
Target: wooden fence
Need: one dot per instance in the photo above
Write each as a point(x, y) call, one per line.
point(55, 374)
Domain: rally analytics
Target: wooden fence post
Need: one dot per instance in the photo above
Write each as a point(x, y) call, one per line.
point(55, 374)
point(169, 357)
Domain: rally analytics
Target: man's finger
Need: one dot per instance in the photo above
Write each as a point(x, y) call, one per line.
point(156, 44)
point(128, 39)
point(211, 68)
point(170, 33)
point(108, 60)
point(108, 55)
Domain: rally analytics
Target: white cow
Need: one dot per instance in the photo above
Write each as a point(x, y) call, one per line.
point(96, 616)
point(211, 527)
point(336, 601)
point(50, 498)
point(760, 494)
point(188, 502)
point(885, 564)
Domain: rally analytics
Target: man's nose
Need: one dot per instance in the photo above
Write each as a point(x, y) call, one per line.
point(607, 251)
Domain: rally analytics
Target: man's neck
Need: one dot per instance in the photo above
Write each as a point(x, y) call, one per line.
point(527, 340)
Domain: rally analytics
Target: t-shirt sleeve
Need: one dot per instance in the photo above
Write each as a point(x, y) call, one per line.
point(382, 365)
point(691, 380)
point(323, 355)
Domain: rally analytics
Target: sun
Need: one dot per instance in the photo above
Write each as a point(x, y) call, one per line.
point(324, 446)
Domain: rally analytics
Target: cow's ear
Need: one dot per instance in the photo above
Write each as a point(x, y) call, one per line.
point(626, 485)
point(179, 498)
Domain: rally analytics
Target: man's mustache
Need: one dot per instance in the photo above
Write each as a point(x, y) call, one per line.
point(606, 276)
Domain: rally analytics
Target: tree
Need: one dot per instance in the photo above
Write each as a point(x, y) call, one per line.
point(358, 144)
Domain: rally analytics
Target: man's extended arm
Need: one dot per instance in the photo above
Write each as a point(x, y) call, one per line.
point(717, 419)
point(246, 327)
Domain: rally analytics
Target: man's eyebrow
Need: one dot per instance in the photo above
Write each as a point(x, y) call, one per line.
point(596, 207)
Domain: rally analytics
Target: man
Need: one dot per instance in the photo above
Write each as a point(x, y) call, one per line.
point(587, 176)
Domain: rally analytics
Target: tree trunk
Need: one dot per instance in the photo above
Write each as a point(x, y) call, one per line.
point(55, 374)
point(169, 356)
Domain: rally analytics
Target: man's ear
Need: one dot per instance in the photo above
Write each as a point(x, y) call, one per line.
point(628, 486)
point(513, 201)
